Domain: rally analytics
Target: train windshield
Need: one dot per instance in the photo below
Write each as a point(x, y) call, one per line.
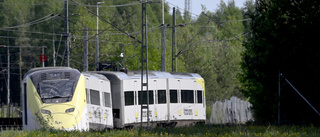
point(56, 89)
point(56, 85)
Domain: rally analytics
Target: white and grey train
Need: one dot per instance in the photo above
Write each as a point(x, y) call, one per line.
point(64, 98)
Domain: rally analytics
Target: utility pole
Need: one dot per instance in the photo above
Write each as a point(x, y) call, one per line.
point(279, 88)
point(163, 41)
point(144, 61)
point(8, 71)
point(67, 32)
point(85, 50)
point(53, 47)
point(174, 48)
point(97, 39)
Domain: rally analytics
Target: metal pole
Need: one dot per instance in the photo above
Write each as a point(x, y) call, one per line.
point(174, 48)
point(163, 49)
point(144, 59)
point(20, 72)
point(42, 54)
point(279, 86)
point(67, 31)
point(163, 44)
point(68, 37)
point(53, 47)
point(97, 40)
point(163, 11)
point(147, 77)
point(85, 50)
point(8, 71)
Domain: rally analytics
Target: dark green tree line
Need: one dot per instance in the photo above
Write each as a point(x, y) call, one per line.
point(283, 38)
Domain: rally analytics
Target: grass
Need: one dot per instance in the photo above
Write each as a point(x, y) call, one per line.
point(199, 130)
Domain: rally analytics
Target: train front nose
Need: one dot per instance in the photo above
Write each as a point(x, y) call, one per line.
point(59, 117)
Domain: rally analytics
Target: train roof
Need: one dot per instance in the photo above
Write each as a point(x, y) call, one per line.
point(95, 75)
point(151, 74)
point(44, 68)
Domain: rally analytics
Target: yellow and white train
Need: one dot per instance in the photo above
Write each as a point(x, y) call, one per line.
point(63, 98)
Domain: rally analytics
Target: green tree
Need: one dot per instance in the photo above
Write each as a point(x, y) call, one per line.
point(281, 39)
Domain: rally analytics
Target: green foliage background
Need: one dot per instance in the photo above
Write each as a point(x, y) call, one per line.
point(212, 52)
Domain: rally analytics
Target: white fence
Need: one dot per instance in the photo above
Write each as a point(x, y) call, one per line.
point(233, 111)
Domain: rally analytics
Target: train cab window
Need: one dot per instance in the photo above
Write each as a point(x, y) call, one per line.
point(162, 99)
point(144, 97)
point(128, 98)
point(94, 97)
point(107, 101)
point(199, 94)
point(187, 96)
point(173, 96)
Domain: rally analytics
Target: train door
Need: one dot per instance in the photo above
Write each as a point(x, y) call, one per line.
point(194, 92)
point(161, 110)
point(137, 87)
point(156, 106)
point(106, 105)
point(89, 115)
point(180, 105)
point(94, 104)
point(174, 106)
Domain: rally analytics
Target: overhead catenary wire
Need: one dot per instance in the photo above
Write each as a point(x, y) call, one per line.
point(45, 18)
point(181, 8)
point(183, 49)
point(115, 6)
point(105, 6)
point(224, 28)
point(113, 25)
point(43, 39)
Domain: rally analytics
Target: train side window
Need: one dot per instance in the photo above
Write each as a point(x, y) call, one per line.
point(162, 99)
point(144, 95)
point(187, 96)
point(173, 96)
point(94, 97)
point(199, 93)
point(128, 98)
point(107, 101)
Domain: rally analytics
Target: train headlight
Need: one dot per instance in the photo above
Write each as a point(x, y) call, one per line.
point(43, 111)
point(69, 110)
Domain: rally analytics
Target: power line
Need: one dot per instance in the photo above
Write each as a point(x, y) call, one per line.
point(43, 33)
point(45, 18)
point(113, 25)
point(181, 8)
point(114, 6)
point(223, 28)
point(28, 38)
point(9, 3)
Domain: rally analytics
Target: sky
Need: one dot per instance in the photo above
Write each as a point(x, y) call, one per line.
point(211, 5)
